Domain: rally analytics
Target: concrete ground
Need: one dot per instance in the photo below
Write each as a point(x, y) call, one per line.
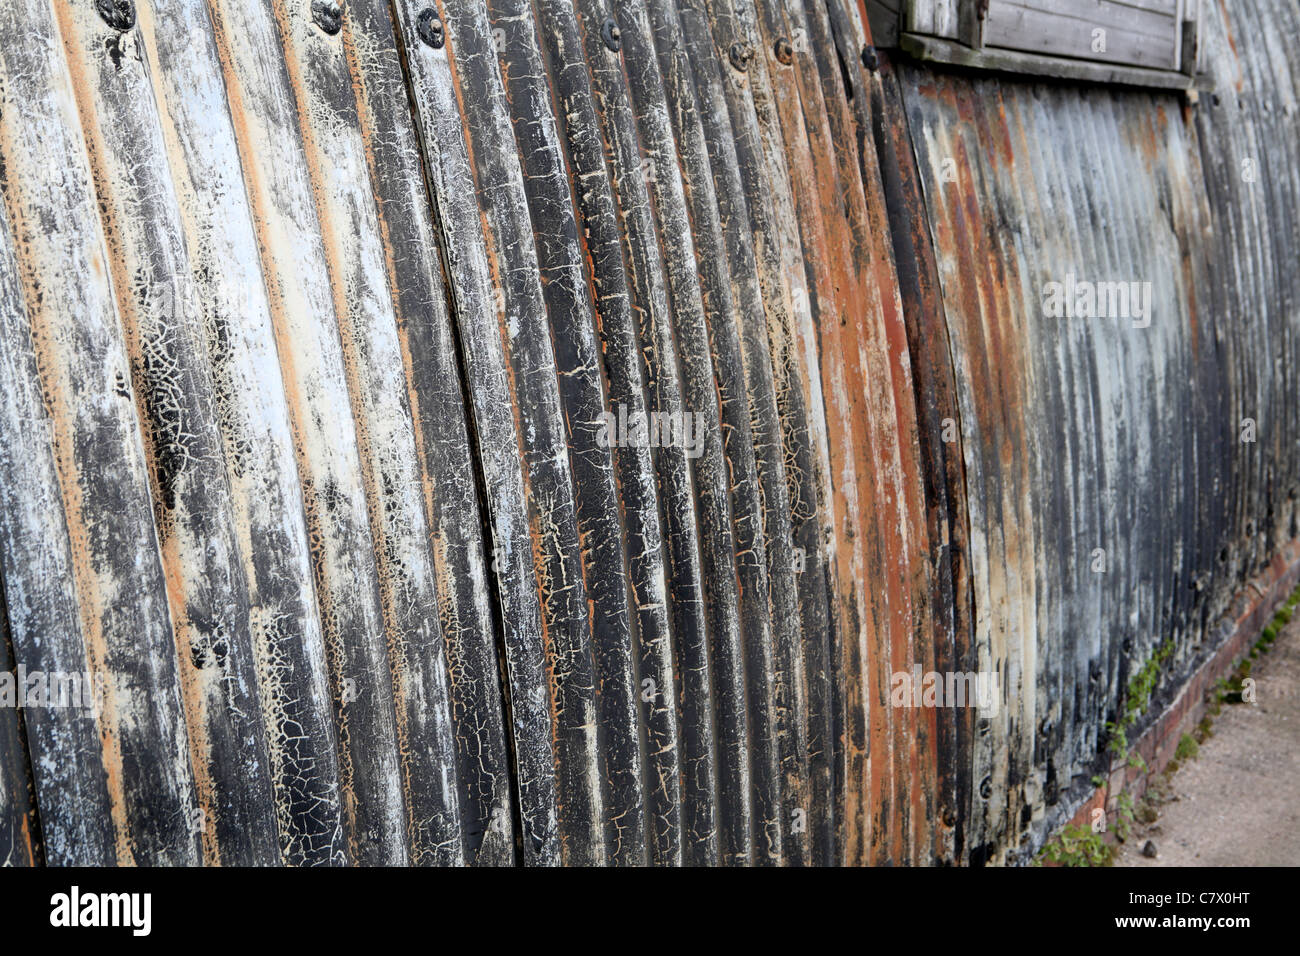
point(1238, 803)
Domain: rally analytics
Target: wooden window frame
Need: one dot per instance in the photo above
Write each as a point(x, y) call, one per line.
point(953, 32)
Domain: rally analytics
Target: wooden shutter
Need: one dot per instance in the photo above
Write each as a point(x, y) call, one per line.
point(1145, 33)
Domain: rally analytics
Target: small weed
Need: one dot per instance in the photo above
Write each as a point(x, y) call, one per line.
point(1077, 846)
point(1124, 816)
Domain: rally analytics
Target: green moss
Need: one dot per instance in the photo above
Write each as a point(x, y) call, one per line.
point(1188, 748)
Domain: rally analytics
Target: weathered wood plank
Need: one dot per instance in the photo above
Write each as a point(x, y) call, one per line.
point(1147, 42)
point(1014, 61)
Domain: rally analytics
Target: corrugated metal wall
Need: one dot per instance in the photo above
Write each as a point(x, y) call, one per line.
point(1087, 434)
point(310, 318)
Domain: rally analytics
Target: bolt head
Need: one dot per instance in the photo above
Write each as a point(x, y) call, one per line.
point(740, 55)
point(784, 51)
point(118, 14)
point(611, 34)
point(328, 15)
point(430, 29)
point(869, 58)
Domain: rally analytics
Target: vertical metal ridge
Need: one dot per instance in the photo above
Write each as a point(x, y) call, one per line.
point(480, 319)
point(697, 538)
point(224, 293)
point(778, 379)
point(944, 478)
point(733, 531)
point(555, 541)
point(572, 324)
point(279, 181)
point(86, 380)
point(390, 473)
point(434, 392)
point(753, 445)
point(41, 626)
point(679, 791)
point(205, 586)
point(330, 331)
point(20, 827)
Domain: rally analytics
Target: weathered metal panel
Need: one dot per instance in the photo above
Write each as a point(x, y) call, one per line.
point(1093, 433)
point(450, 494)
point(98, 442)
point(224, 293)
point(322, 328)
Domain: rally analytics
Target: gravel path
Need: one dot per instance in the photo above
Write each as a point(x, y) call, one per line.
point(1238, 803)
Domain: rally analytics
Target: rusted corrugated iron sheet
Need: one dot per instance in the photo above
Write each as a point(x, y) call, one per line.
point(1095, 433)
point(317, 320)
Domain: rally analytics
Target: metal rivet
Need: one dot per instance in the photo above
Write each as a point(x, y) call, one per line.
point(611, 34)
point(740, 55)
point(328, 16)
point(784, 51)
point(430, 29)
point(118, 14)
point(949, 818)
point(869, 58)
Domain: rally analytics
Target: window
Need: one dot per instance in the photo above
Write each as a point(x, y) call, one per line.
point(1140, 42)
